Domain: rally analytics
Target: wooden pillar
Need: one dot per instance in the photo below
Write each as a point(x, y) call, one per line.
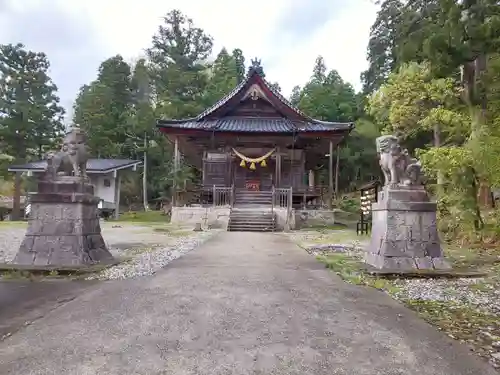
point(311, 179)
point(118, 187)
point(278, 167)
point(176, 169)
point(330, 176)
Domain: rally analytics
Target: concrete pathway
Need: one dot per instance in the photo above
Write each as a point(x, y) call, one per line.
point(241, 304)
point(22, 302)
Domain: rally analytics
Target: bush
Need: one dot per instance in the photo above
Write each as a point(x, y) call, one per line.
point(352, 205)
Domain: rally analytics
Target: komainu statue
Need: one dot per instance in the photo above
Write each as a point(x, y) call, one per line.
point(71, 159)
point(398, 167)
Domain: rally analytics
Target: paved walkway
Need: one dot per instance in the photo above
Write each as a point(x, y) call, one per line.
point(22, 302)
point(242, 304)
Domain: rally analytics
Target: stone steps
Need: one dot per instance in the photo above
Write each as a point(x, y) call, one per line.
point(245, 198)
point(252, 220)
point(252, 212)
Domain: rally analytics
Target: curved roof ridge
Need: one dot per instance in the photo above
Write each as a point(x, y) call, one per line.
point(285, 101)
point(222, 101)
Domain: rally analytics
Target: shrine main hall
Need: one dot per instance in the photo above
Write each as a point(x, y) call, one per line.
point(259, 158)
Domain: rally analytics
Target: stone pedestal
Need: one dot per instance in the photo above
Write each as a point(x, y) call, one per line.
point(404, 232)
point(64, 227)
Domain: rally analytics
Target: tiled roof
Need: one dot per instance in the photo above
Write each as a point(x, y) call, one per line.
point(254, 124)
point(236, 90)
point(93, 165)
point(260, 125)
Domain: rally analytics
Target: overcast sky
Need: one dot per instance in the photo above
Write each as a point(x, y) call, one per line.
point(287, 35)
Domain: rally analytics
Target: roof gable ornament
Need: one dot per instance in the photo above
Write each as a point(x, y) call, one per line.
point(255, 93)
point(256, 67)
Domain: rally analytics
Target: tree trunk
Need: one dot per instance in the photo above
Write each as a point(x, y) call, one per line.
point(437, 143)
point(337, 165)
point(144, 176)
point(477, 103)
point(16, 200)
point(478, 222)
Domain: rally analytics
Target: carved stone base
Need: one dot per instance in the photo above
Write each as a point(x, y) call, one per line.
point(404, 232)
point(64, 228)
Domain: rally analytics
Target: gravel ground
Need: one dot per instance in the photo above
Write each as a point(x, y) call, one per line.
point(151, 259)
point(445, 290)
point(147, 250)
point(460, 291)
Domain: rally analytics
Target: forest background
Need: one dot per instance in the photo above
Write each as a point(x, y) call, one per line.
point(433, 78)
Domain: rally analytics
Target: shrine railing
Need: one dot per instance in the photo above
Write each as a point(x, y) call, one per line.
point(223, 196)
point(282, 197)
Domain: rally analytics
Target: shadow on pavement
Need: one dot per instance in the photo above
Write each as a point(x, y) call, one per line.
point(22, 301)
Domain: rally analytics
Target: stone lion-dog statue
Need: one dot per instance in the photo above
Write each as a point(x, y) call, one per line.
point(71, 159)
point(398, 167)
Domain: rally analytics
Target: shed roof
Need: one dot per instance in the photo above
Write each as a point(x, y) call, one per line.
point(93, 165)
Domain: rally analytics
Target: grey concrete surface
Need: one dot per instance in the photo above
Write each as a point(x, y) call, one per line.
point(23, 302)
point(243, 303)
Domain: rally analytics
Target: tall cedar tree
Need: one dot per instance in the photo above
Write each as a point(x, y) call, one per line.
point(177, 59)
point(223, 77)
point(327, 97)
point(384, 36)
point(102, 109)
point(456, 37)
point(30, 114)
point(239, 59)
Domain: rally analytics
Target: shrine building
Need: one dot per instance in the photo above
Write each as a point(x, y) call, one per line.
point(259, 157)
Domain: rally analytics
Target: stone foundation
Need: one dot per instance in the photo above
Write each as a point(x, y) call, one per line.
point(64, 228)
point(215, 217)
point(404, 232)
point(282, 223)
point(218, 217)
point(314, 218)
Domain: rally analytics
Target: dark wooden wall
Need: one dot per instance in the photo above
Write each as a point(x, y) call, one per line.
point(217, 171)
point(265, 175)
point(292, 174)
point(226, 171)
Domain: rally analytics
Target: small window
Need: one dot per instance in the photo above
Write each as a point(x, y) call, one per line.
point(107, 182)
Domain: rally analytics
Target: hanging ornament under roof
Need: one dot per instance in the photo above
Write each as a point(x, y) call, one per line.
point(253, 161)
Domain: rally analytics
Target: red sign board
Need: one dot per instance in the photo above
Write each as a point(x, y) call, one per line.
point(253, 185)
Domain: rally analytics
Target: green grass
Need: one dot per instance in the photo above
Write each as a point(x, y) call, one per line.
point(13, 224)
point(322, 228)
point(14, 275)
point(351, 271)
point(481, 259)
point(327, 235)
point(144, 217)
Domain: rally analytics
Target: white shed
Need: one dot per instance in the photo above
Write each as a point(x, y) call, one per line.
point(104, 174)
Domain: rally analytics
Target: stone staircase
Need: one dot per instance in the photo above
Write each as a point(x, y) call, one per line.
point(252, 220)
point(245, 198)
point(252, 212)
